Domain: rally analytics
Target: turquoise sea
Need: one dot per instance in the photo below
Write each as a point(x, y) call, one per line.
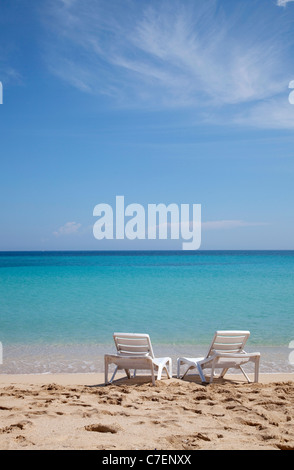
point(58, 310)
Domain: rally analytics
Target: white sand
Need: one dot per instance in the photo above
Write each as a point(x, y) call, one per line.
point(76, 411)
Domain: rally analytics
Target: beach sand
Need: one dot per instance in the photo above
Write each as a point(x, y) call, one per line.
point(76, 411)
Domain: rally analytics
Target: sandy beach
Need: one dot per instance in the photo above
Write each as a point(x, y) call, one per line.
point(76, 411)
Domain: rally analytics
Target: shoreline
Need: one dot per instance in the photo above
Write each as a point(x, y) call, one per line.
point(89, 358)
point(92, 378)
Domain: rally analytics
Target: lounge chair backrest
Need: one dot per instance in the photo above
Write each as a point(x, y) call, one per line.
point(228, 342)
point(133, 344)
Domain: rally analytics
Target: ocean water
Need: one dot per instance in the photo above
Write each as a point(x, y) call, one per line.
point(58, 310)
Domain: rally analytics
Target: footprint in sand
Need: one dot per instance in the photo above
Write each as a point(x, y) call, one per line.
point(23, 441)
point(12, 427)
point(102, 428)
point(255, 424)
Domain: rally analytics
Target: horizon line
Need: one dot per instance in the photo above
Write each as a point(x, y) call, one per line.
point(147, 251)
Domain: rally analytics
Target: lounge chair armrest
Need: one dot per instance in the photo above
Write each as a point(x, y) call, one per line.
point(209, 358)
point(236, 355)
point(127, 361)
point(216, 356)
point(161, 360)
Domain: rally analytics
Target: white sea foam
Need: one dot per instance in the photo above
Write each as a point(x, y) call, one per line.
point(89, 358)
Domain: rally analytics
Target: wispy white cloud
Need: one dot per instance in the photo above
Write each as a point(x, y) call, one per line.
point(9, 71)
point(67, 229)
point(8, 74)
point(283, 3)
point(167, 54)
point(274, 113)
point(230, 224)
point(271, 114)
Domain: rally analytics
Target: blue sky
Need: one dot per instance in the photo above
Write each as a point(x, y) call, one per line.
point(159, 101)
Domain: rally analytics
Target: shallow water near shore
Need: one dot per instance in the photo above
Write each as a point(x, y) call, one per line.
point(58, 310)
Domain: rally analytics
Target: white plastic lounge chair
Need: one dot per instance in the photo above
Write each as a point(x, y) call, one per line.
point(226, 351)
point(134, 351)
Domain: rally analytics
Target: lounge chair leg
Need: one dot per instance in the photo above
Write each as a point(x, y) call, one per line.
point(164, 368)
point(245, 375)
point(168, 369)
point(105, 371)
point(159, 373)
point(128, 373)
point(200, 372)
point(256, 370)
point(178, 368)
point(212, 375)
point(223, 372)
point(152, 373)
point(113, 375)
point(183, 376)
